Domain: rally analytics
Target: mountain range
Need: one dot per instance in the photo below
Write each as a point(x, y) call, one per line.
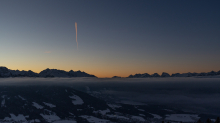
point(5, 72)
point(164, 74)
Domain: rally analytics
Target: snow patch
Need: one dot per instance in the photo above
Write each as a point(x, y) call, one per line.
point(20, 117)
point(77, 101)
point(51, 117)
point(3, 103)
point(113, 106)
point(34, 121)
point(156, 116)
point(142, 115)
point(103, 112)
point(95, 92)
point(49, 104)
point(182, 117)
point(37, 105)
point(93, 119)
point(88, 89)
point(71, 113)
point(117, 116)
point(138, 118)
point(21, 97)
point(3, 96)
point(141, 109)
point(65, 121)
point(213, 120)
point(168, 110)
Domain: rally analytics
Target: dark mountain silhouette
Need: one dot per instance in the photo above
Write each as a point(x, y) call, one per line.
point(164, 74)
point(5, 72)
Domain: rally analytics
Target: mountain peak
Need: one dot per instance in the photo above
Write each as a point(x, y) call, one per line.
point(5, 72)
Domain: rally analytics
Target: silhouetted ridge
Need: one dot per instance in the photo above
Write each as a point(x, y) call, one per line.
point(5, 72)
point(61, 73)
point(116, 77)
point(164, 74)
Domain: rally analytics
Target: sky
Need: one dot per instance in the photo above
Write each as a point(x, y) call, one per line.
point(115, 37)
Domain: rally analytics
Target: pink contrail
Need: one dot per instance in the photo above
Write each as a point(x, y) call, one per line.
point(76, 34)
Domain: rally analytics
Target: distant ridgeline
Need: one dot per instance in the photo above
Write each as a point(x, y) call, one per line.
point(5, 72)
point(164, 74)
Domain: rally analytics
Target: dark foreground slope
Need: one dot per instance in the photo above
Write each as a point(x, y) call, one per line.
point(46, 104)
point(63, 104)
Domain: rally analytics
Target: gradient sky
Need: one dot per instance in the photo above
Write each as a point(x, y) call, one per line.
point(115, 37)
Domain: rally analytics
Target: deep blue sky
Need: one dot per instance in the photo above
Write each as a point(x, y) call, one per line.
point(115, 37)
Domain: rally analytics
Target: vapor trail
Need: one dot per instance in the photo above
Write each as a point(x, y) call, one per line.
point(76, 34)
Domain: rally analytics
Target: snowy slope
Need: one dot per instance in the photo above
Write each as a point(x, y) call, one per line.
point(56, 103)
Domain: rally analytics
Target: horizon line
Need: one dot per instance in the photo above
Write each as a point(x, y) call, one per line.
point(115, 75)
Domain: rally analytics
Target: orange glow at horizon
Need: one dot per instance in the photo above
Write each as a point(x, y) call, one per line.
point(100, 68)
point(110, 73)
